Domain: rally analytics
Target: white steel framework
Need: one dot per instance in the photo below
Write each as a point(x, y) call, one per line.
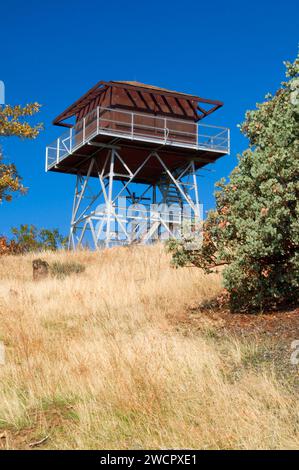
point(113, 209)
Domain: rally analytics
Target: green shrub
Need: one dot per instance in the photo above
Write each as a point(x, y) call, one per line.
point(29, 238)
point(254, 230)
point(61, 270)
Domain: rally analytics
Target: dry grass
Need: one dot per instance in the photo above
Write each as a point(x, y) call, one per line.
point(97, 360)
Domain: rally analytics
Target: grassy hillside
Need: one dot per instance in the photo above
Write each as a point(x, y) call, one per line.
point(103, 359)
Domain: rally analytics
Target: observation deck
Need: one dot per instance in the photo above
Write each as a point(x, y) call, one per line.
point(136, 134)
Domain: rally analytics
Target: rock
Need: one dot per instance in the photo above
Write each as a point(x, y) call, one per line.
point(40, 269)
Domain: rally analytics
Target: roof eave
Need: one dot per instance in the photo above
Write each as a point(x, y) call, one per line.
point(103, 85)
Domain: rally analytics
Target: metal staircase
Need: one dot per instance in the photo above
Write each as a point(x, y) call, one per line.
point(169, 190)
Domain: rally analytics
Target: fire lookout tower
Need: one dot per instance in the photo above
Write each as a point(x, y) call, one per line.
point(136, 143)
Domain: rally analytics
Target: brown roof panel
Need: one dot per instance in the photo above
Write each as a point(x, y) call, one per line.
point(151, 87)
point(159, 95)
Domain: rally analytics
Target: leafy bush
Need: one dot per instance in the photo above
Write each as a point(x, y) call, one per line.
point(13, 122)
point(10, 181)
point(8, 247)
point(29, 238)
point(61, 270)
point(254, 230)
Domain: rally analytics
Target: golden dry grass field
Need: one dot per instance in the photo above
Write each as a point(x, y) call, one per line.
point(100, 360)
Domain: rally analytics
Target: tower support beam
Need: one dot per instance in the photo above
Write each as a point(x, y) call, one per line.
point(121, 211)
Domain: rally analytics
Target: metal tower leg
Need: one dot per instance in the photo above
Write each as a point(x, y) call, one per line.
point(97, 219)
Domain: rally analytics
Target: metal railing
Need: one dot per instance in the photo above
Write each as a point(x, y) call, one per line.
point(137, 126)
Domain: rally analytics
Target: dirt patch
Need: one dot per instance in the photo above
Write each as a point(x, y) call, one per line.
point(273, 334)
point(45, 426)
point(283, 324)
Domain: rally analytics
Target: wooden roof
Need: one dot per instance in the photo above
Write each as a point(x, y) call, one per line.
point(201, 107)
point(151, 87)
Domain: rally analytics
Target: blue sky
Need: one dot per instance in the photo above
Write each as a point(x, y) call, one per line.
point(52, 52)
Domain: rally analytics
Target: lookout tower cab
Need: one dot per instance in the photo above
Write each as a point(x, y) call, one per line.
point(135, 150)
